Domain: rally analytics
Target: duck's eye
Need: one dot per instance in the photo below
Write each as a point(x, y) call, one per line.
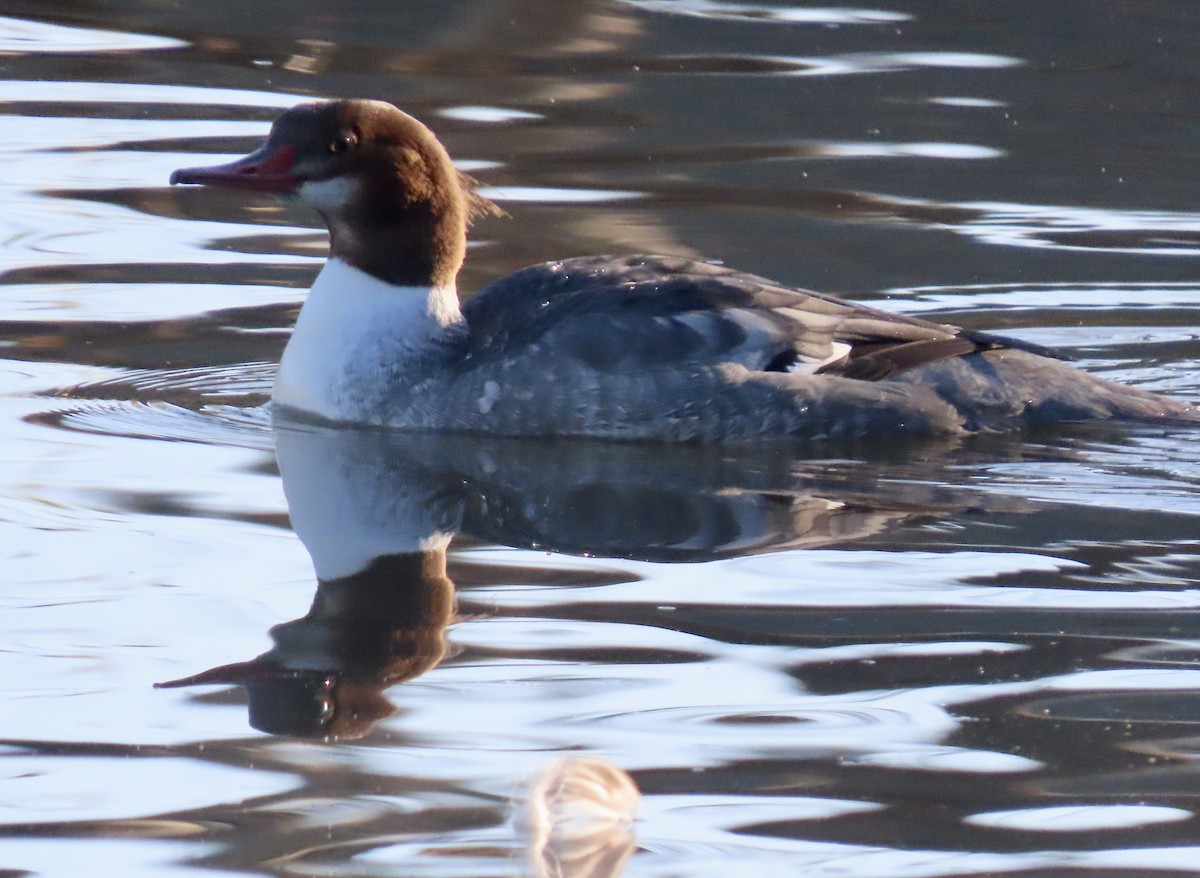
point(343, 143)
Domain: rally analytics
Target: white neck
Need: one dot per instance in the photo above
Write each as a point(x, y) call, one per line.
point(353, 333)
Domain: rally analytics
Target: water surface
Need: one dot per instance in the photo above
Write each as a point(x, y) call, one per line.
point(933, 659)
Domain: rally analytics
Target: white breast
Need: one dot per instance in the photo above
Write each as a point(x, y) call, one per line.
point(353, 333)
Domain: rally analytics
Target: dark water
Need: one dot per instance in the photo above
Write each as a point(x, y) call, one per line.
point(921, 660)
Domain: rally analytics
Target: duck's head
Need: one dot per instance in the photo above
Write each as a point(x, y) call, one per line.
point(394, 203)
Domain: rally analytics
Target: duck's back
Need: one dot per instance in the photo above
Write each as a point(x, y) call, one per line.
point(657, 313)
point(654, 347)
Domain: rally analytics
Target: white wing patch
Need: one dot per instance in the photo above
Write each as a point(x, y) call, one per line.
point(811, 365)
point(811, 331)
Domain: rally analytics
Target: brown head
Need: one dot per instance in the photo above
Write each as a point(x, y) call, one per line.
point(394, 203)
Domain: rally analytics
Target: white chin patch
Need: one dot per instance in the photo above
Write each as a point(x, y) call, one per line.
point(328, 195)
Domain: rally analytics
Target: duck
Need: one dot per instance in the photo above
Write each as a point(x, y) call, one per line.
point(632, 347)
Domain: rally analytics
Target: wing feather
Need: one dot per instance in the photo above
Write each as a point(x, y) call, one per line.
point(645, 313)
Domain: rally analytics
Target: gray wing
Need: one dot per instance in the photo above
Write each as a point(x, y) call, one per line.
point(640, 313)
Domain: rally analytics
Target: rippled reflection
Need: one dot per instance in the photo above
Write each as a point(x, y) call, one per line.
point(377, 511)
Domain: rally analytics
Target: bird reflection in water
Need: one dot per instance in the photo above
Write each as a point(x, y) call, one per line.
point(327, 671)
point(377, 533)
point(377, 512)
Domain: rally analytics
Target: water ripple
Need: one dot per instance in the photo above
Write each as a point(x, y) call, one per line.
point(770, 14)
point(53, 789)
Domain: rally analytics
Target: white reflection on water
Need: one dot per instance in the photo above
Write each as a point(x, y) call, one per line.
point(57, 789)
point(492, 115)
point(24, 36)
point(761, 12)
point(863, 579)
point(1050, 225)
point(1055, 226)
point(1098, 296)
point(103, 595)
point(131, 301)
point(100, 93)
point(874, 149)
point(548, 195)
point(892, 62)
point(128, 857)
point(55, 140)
point(948, 759)
point(972, 102)
point(1104, 487)
point(81, 229)
point(740, 854)
point(1076, 818)
point(60, 156)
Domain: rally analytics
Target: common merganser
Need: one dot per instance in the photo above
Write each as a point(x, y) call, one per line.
point(635, 347)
